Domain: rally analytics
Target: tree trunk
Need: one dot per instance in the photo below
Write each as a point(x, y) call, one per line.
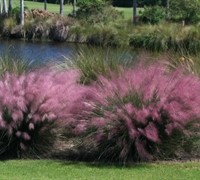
point(10, 6)
point(5, 7)
point(61, 7)
point(22, 12)
point(167, 9)
point(74, 8)
point(1, 7)
point(45, 5)
point(134, 11)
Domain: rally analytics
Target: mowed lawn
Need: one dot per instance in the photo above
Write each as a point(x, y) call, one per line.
point(49, 169)
point(128, 12)
point(55, 8)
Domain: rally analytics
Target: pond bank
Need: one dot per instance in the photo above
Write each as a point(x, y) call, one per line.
point(44, 26)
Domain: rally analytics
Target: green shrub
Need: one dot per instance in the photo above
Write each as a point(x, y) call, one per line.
point(188, 10)
point(102, 35)
point(95, 11)
point(15, 13)
point(153, 14)
point(140, 3)
point(77, 33)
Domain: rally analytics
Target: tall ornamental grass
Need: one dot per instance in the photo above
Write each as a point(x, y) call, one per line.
point(119, 113)
point(33, 108)
point(14, 65)
point(98, 61)
point(133, 115)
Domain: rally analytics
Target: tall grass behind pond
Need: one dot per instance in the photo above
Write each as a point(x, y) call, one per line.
point(157, 38)
point(117, 33)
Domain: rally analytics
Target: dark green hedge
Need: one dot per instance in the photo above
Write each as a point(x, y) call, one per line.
point(118, 3)
point(140, 3)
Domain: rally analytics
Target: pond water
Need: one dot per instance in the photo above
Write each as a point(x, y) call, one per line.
point(40, 52)
point(47, 52)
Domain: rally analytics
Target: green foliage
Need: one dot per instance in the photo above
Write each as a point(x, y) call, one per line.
point(122, 3)
point(166, 36)
point(153, 14)
point(188, 10)
point(7, 25)
point(13, 64)
point(97, 62)
point(15, 12)
point(140, 3)
point(90, 8)
point(159, 37)
point(95, 11)
point(102, 35)
point(54, 1)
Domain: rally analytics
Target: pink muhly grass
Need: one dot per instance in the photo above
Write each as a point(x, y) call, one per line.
point(140, 108)
point(34, 105)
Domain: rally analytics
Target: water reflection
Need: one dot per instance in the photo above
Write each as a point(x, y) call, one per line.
point(41, 52)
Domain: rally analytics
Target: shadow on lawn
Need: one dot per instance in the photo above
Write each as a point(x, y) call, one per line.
point(104, 165)
point(91, 160)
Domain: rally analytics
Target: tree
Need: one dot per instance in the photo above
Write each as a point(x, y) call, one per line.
point(22, 12)
point(167, 8)
point(134, 11)
point(5, 7)
point(1, 7)
point(74, 8)
point(45, 5)
point(165, 3)
point(187, 10)
point(61, 7)
point(10, 6)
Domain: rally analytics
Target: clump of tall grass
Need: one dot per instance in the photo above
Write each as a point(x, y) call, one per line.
point(33, 109)
point(102, 35)
point(98, 61)
point(77, 34)
point(158, 38)
point(8, 25)
point(189, 62)
point(137, 112)
point(14, 65)
point(166, 36)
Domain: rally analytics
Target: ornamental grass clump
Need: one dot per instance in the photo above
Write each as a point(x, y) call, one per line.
point(33, 108)
point(138, 112)
point(14, 65)
point(98, 61)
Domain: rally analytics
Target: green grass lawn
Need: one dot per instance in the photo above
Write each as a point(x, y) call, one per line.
point(55, 8)
point(49, 169)
point(128, 12)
